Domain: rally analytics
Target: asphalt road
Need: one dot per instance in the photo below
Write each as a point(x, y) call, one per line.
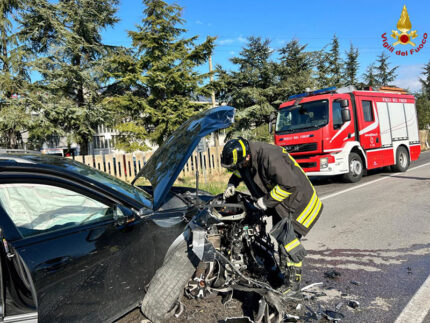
point(375, 232)
point(374, 235)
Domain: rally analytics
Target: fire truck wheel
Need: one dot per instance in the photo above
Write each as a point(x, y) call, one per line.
point(355, 169)
point(402, 160)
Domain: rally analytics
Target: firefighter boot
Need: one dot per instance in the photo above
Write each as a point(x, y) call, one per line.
point(292, 279)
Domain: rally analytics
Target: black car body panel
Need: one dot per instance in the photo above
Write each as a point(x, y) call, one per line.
point(93, 272)
point(167, 162)
point(97, 271)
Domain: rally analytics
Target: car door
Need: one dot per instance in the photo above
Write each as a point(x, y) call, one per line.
point(84, 265)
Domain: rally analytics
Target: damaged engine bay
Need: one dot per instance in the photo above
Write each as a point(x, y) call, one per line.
point(236, 254)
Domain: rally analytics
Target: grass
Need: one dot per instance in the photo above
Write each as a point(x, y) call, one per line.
point(214, 184)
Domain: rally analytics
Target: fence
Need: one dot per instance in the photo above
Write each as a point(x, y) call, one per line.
point(126, 166)
point(424, 135)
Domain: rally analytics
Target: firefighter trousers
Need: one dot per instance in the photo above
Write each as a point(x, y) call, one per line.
point(287, 238)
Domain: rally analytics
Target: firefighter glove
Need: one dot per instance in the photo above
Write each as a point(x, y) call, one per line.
point(259, 204)
point(230, 191)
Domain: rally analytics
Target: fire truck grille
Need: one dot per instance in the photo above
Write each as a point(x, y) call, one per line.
point(301, 147)
point(308, 165)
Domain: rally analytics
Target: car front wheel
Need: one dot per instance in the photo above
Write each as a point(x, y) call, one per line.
point(167, 285)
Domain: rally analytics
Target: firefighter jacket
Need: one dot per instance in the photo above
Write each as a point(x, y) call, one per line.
point(278, 178)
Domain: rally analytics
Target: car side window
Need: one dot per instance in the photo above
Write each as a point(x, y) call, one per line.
point(367, 110)
point(39, 208)
point(337, 115)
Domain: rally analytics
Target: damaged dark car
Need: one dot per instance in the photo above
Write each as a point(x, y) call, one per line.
point(80, 245)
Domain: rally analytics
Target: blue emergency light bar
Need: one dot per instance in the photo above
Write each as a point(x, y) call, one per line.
point(320, 91)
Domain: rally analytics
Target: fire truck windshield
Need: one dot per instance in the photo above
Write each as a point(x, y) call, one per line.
point(302, 116)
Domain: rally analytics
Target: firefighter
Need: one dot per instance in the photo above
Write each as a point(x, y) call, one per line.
point(282, 190)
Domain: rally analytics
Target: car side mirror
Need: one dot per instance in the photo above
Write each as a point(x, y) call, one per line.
point(346, 115)
point(122, 215)
point(343, 103)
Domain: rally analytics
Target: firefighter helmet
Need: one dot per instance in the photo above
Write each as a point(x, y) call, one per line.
point(234, 153)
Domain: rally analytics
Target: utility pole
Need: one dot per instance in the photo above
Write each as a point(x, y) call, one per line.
point(216, 133)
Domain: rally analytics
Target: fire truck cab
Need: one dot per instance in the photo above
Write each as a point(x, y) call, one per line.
point(345, 131)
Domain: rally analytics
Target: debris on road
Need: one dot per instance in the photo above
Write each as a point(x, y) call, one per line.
point(333, 274)
point(242, 319)
point(355, 283)
point(353, 304)
point(291, 318)
point(310, 286)
point(333, 316)
point(339, 306)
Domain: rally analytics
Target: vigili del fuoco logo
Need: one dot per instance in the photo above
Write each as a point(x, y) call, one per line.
point(404, 36)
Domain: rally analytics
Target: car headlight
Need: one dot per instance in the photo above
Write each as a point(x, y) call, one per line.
point(323, 163)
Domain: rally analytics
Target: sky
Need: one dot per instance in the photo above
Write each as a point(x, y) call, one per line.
point(311, 22)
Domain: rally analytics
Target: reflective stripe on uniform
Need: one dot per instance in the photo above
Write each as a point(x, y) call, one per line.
point(293, 244)
point(294, 264)
point(279, 194)
point(314, 206)
point(234, 156)
point(308, 208)
point(312, 216)
point(243, 147)
point(237, 173)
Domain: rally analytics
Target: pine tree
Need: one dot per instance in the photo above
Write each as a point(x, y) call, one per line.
point(351, 67)
point(323, 70)
point(423, 110)
point(295, 70)
point(14, 79)
point(425, 82)
point(67, 35)
point(252, 90)
point(384, 74)
point(158, 81)
point(370, 77)
point(334, 63)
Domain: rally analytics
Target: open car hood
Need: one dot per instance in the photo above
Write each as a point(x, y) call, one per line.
point(167, 162)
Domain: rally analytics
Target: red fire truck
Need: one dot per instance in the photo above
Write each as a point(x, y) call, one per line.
point(344, 131)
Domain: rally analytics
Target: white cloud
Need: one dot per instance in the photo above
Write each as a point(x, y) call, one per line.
point(408, 77)
point(226, 41)
point(198, 22)
point(232, 52)
point(242, 39)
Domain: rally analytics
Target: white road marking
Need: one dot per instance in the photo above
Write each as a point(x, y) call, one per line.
point(418, 307)
point(368, 183)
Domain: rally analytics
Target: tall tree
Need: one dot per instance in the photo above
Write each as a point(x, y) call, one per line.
point(14, 79)
point(322, 69)
point(252, 90)
point(67, 34)
point(334, 63)
point(157, 80)
point(370, 77)
point(384, 74)
point(425, 82)
point(350, 68)
point(423, 110)
point(295, 69)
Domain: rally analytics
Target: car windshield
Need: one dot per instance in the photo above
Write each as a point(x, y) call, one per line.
point(302, 116)
point(112, 182)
